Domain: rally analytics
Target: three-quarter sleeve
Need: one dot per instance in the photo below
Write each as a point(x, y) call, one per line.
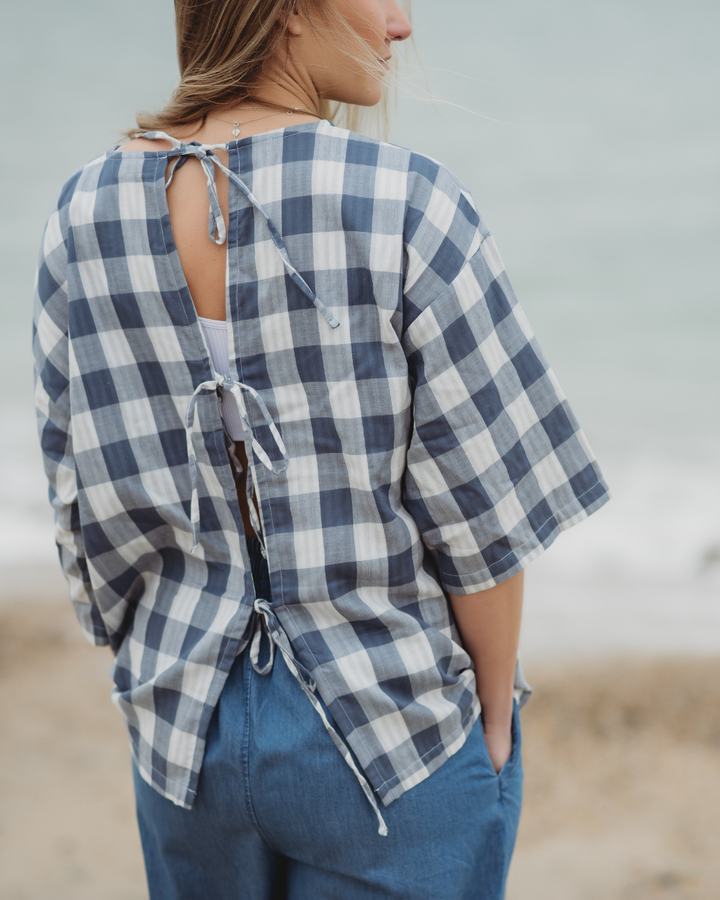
point(52, 403)
point(497, 465)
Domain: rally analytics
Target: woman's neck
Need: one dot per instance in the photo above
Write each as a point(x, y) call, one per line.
point(281, 89)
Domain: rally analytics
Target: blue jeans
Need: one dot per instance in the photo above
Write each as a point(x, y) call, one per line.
point(279, 815)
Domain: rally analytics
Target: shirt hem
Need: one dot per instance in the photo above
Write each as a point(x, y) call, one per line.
point(184, 791)
point(419, 770)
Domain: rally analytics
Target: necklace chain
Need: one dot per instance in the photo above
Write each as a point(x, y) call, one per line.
point(288, 110)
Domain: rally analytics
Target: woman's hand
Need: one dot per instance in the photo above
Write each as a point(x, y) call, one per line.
point(499, 745)
point(489, 625)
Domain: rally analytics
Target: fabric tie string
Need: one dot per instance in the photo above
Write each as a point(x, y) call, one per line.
point(216, 222)
point(267, 623)
point(235, 388)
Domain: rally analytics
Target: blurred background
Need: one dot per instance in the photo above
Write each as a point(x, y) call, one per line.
point(589, 136)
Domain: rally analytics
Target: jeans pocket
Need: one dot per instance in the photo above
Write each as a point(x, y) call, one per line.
point(512, 760)
point(516, 741)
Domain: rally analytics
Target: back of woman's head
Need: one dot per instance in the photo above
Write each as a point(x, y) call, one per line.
point(224, 46)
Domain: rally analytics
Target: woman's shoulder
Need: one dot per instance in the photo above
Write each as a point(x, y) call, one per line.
point(99, 178)
point(82, 180)
point(142, 145)
point(417, 168)
point(441, 227)
point(381, 170)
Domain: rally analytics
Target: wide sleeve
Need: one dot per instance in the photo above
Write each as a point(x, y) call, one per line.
point(52, 402)
point(497, 464)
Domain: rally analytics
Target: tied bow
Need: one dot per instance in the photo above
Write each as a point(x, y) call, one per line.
point(235, 388)
point(216, 223)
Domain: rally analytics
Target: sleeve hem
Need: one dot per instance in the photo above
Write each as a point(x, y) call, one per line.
point(544, 536)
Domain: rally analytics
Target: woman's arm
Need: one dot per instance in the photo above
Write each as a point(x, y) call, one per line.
point(489, 624)
point(52, 401)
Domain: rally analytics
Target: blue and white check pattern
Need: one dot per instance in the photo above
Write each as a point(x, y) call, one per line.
point(425, 446)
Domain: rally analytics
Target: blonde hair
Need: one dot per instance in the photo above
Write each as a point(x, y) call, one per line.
point(223, 47)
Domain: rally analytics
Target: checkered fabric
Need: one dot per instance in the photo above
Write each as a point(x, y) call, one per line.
point(409, 439)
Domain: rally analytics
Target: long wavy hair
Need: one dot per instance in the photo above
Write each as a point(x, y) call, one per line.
point(223, 47)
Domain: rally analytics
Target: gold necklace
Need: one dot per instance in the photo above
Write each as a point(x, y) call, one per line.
point(276, 110)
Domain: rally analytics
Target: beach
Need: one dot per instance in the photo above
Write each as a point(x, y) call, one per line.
point(621, 757)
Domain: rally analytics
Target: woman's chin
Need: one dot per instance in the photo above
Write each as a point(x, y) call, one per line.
point(369, 94)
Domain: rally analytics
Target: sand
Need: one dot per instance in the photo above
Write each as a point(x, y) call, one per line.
point(622, 795)
point(622, 763)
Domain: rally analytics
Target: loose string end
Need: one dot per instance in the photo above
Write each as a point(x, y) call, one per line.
point(325, 313)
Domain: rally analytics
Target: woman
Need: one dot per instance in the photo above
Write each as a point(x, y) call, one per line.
point(325, 429)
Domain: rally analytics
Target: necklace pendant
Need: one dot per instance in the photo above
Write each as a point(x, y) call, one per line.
point(236, 129)
point(290, 112)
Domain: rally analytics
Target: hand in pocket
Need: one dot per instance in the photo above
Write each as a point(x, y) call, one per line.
point(499, 745)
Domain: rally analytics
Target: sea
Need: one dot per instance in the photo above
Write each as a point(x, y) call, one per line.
point(589, 136)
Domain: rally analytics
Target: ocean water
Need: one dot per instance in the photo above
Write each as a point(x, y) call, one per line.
point(589, 136)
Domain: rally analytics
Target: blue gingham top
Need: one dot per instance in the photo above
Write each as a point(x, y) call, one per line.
point(408, 440)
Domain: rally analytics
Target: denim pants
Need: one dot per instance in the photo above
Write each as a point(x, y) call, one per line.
point(279, 815)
